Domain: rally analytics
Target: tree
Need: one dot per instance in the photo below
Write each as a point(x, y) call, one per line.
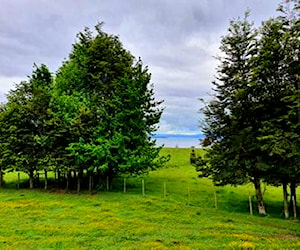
point(104, 98)
point(25, 123)
point(252, 125)
point(232, 118)
point(278, 72)
point(271, 88)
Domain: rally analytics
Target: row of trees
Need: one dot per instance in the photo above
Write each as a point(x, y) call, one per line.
point(94, 117)
point(252, 124)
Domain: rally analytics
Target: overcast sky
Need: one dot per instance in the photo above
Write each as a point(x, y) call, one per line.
point(177, 39)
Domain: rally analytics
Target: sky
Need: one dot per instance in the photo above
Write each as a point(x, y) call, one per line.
point(177, 39)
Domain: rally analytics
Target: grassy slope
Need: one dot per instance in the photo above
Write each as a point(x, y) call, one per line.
point(116, 220)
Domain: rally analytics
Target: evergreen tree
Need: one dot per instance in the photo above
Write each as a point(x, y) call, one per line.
point(25, 123)
point(232, 118)
point(106, 102)
point(252, 125)
point(278, 72)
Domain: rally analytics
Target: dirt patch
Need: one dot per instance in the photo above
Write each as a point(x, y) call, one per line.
point(288, 237)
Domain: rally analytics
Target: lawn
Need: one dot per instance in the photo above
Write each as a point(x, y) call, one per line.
point(179, 211)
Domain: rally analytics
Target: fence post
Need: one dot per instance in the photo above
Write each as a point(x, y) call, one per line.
point(143, 187)
point(107, 183)
point(250, 205)
point(124, 186)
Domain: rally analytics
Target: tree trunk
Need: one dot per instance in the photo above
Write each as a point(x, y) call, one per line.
point(68, 180)
point(74, 174)
point(285, 201)
point(78, 184)
point(46, 180)
point(79, 176)
point(90, 181)
point(37, 178)
point(293, 199)
point(100, 180)
point(111, 182)
point(58, 178)
point(31, 179)
point(259, 196)
point(107, 183)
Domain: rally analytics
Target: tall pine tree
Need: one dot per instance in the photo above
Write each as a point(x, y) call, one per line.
point(232, 120)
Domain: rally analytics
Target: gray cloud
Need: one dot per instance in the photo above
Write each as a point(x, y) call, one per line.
point(177, 39)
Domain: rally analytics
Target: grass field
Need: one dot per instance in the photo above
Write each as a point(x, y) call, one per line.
point(185, 217)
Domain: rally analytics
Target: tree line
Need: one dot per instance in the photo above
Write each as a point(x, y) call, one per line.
point(252, 123)
point(90, 121)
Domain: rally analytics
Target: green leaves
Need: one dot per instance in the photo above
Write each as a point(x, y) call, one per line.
point(106, 101)
point(230, 117)
point(252, 124)
point(95, 115)
point(26, 122)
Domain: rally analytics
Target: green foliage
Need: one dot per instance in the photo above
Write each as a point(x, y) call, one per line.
point(252, 124)
point(231, 118)
point(104, 98)
point(95, 118)
point(280, 134)
point(25, 119)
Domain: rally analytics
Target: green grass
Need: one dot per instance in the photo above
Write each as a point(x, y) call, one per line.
point(185, 219)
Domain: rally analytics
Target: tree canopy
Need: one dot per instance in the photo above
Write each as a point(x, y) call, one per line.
point(94, 117)
point(252, 123)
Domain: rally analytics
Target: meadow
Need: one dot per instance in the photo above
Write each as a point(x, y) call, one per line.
point(178, 211)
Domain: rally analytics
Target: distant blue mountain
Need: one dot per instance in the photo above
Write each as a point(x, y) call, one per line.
point(197, 136)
